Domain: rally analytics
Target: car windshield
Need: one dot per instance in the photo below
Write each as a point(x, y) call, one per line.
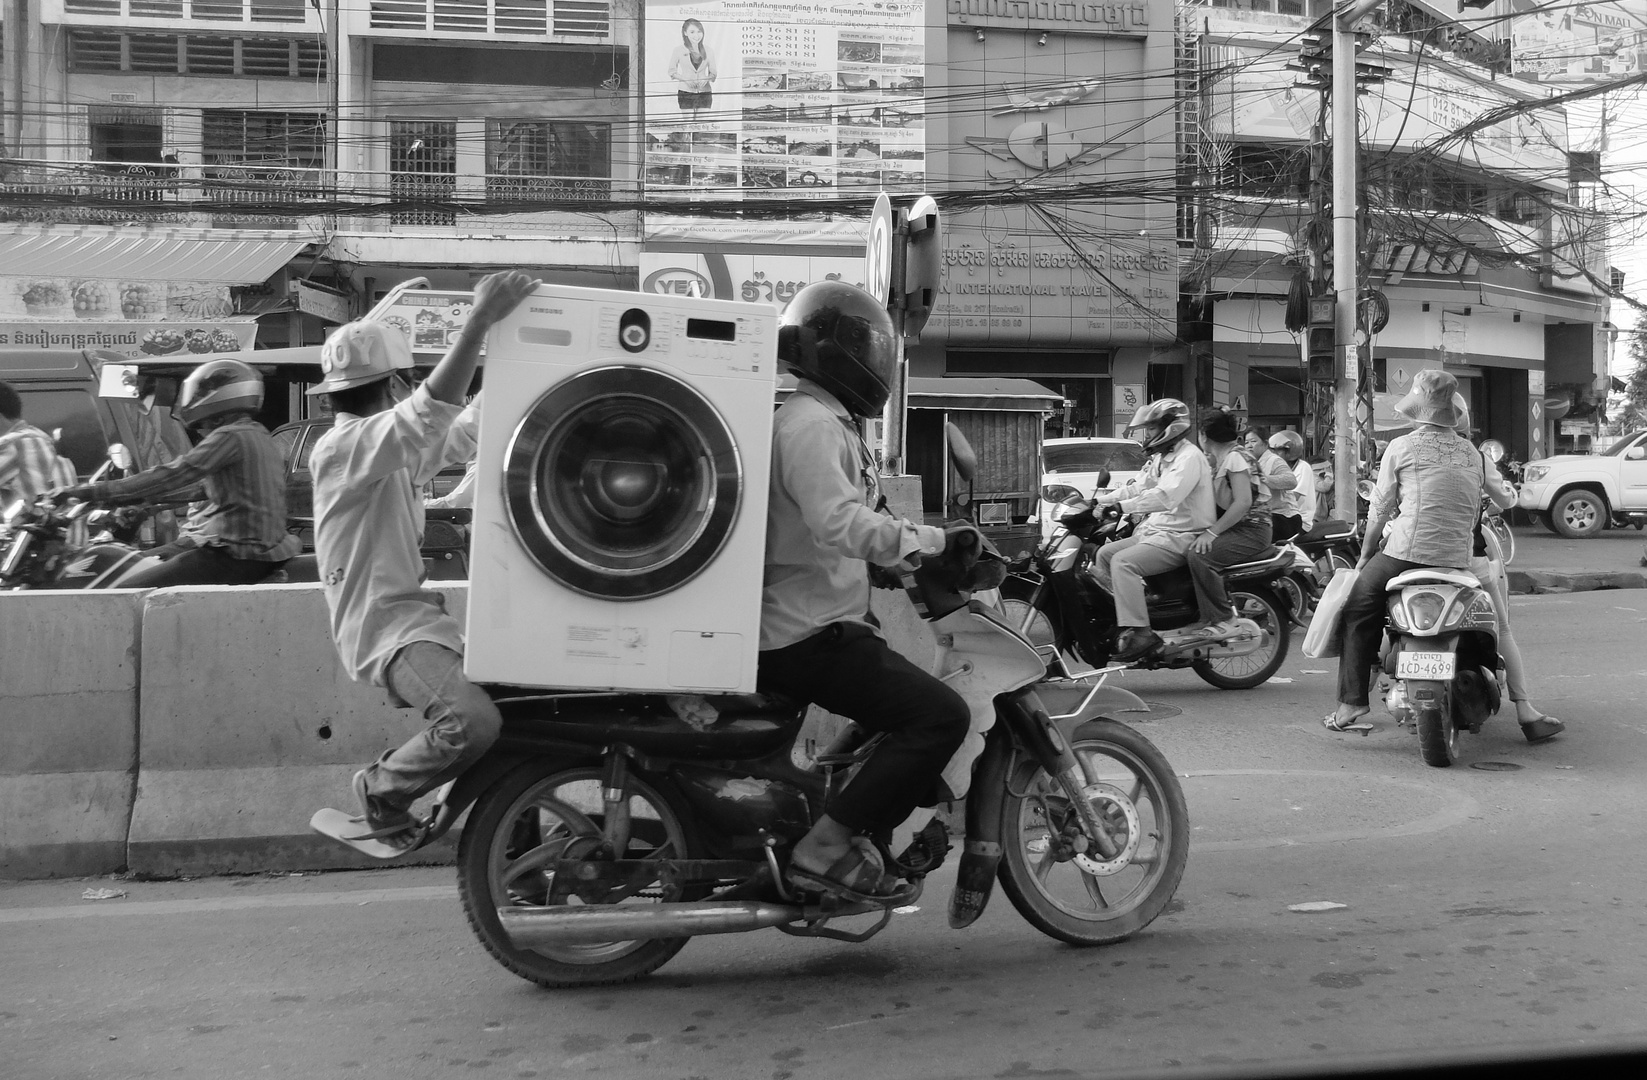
point(1090, 457)
point(1622, 445)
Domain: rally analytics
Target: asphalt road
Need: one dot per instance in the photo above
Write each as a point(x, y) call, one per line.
point(1485, 912)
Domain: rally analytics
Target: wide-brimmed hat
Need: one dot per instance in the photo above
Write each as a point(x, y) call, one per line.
point(1430, 401)
point(361, 352)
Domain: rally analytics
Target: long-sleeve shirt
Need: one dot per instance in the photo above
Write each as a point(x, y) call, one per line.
point(694, 77)
point(238, 468)
point(30, 465)
point(368, 474)
point(1433, 480)
point(1174, 488)
point(821, 530)
point(1278, 476)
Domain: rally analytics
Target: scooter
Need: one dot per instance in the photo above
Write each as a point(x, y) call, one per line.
point(1442, 657)
point(37, 550)
point(1316, 555)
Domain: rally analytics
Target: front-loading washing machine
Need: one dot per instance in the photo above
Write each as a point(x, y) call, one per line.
point(620, 514)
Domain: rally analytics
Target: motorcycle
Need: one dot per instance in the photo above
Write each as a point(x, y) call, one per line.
point(1442, 656)
point(607, 829)
point(1316, 554)
point(37, 549)
point(1052, 598)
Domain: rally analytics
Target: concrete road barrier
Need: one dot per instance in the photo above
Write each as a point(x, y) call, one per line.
point(250, 725)
point(68, 730)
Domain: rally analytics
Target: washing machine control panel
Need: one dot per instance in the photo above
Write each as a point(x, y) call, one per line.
point(709, 343)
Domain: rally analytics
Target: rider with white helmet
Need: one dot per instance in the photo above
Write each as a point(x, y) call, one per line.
point(1300, 501)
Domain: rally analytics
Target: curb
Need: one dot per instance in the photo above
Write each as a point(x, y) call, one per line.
point(1522, 582)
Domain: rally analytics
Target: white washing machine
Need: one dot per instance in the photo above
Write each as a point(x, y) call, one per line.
point(620, 518)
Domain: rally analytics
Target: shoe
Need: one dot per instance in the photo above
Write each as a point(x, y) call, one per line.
point(1545, 727)
point(1134, 644)
point(393, 826)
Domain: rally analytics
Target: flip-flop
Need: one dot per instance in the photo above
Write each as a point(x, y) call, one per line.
point(1355, 723)
point(854, 876)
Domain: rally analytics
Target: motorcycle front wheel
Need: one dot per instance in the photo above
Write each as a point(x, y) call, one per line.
point(1041, 833)
point(1254, 669)
point(547, 812)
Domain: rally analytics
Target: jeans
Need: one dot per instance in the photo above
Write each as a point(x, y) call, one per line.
point(203, 566)
point(1363, 617)
point(1242, 542)
point(848, 670)
point(463, 724)
point(1121, 568)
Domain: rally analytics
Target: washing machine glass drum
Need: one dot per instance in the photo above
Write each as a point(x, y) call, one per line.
point(622, 483)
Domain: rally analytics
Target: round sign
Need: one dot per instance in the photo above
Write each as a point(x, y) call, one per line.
point(878, 253)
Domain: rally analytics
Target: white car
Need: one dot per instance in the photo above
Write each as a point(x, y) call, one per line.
point(1069, 471)
point(1578, 495)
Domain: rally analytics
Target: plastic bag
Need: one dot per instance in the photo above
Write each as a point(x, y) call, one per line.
point(1326, 634)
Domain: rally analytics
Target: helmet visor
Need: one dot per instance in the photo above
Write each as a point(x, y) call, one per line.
point(861, 340)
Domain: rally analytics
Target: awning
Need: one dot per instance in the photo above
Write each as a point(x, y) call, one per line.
point(218, 256)
point(978, 395)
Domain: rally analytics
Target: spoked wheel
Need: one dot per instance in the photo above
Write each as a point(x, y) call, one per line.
point(536, 816)
point(1056, 877)
point(1297, 595)
point(1437, 736)
point(1245, 672)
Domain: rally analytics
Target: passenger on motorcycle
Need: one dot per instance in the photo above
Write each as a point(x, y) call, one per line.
point(1242, 531)
point(235, 476)
point(1431, 481)
point(388, 440)
point(29, 463)
point(1299, 502)
point(819, 642)
point(1279, 478)
point(1175, 490)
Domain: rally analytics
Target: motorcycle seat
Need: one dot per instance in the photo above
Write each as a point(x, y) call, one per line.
point(1433, 575)
point(1322, 532)
point(1274, 561)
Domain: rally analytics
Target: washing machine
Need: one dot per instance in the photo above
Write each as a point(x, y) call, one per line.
point(620, 518)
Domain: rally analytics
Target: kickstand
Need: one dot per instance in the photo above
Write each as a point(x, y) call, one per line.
point(818, 927)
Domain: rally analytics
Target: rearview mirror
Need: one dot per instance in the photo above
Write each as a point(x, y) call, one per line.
point(121, 456)
point(961, 454)
point(117, 381)
point(1635, 453)
point(1103, 479)
point(1494, 450)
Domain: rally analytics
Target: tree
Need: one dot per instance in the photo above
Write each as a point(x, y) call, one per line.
point(1635, 384)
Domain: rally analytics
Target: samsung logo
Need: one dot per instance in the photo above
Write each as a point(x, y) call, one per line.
point(678, 281)
point(547, 310)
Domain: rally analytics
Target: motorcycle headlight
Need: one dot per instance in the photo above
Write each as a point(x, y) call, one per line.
point(1424, 609)
point(1535, 473)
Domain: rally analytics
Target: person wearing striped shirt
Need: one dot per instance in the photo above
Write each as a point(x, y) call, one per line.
point(235, 472)
point(29, 463)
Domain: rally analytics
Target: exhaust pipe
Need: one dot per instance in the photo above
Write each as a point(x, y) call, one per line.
point(529, 928)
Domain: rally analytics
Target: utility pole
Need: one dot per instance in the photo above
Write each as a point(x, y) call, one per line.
point(1345, 250)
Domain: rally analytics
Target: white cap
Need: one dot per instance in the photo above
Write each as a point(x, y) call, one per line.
point(361, 352)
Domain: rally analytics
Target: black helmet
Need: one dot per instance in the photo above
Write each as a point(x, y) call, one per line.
point(1171, 415)
point(838, 336)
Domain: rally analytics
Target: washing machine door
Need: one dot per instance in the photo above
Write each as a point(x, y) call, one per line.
point(622, 482)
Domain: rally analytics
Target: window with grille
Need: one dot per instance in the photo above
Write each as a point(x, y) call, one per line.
point(574, 17)
point(152, 52)
point(196, 54)
point(423, 168)
point(583, 17)
point(92, 50)
point(157, 9)
point(253, 137)
point(92, 7)
point(547, 159)
point(277, 10)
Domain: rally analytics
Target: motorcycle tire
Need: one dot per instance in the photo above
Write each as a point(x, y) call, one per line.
point(1299, 593)
point(1050, 890)
point(1438, 736)
point(1258, 603)
point(547, 801)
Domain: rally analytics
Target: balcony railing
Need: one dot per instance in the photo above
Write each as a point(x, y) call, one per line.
point(275, 196)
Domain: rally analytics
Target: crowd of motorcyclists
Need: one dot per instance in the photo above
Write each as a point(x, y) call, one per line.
point(1215, 495)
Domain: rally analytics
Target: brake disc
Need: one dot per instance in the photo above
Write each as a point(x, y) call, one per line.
point(1108, 803)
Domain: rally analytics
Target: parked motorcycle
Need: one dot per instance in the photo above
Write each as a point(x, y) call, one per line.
point(1442, 655)
point(1052, 598)
point(607, 829)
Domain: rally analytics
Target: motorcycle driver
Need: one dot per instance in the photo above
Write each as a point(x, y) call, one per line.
point(1299, 502)
point(1175, 490)
point(234, 476)
point(389, 439)
point(1276, 475)
point(29, 463)
point(819, 643)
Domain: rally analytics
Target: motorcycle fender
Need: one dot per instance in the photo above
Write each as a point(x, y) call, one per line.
point(981, 853)
point(1103, 705)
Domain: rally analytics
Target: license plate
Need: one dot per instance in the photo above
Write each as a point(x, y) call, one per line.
point(1425, 665)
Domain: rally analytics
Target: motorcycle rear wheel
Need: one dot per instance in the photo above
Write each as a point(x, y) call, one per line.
point(1048, 888)
point(1254, 669)
point(1437, 736)
point(546, 803)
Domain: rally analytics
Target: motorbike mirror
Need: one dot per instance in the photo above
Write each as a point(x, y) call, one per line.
point(121, 456)
point(1365, 489)
point(961, 454)
point(1103, 479)
point(1494, 450)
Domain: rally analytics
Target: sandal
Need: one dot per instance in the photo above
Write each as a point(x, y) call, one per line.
point(397, 828)
point(1355, 723)
point(1545, 727)
point(854, 876)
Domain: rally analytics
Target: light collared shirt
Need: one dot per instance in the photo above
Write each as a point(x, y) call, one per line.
point(1174, 489)
point(821, 528)
point(368, 475)
point(238, 470)
point(1434, 480)
point(30, 465)
point(1278, 476)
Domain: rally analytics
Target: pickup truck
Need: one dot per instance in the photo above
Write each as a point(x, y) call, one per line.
point(1578, 496)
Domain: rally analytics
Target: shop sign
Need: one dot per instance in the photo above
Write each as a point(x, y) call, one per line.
point(749, 277)
point(1074, 15)
point(180, 339)
point(323, 304)
point(430, 319)
point(111, 299)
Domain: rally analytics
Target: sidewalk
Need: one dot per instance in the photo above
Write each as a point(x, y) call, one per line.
point(1545, 562)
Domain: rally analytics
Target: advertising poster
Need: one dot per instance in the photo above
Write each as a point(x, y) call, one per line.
point(745, 100)
point(106, 299)
point(431, 319)
point(144, 339)
point(1593, 42)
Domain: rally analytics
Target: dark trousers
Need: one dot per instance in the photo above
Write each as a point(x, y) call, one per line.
point(203, 566)
point(1363, 618)
point(1286, 526)
point(846, 669)
point(1242, 542)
